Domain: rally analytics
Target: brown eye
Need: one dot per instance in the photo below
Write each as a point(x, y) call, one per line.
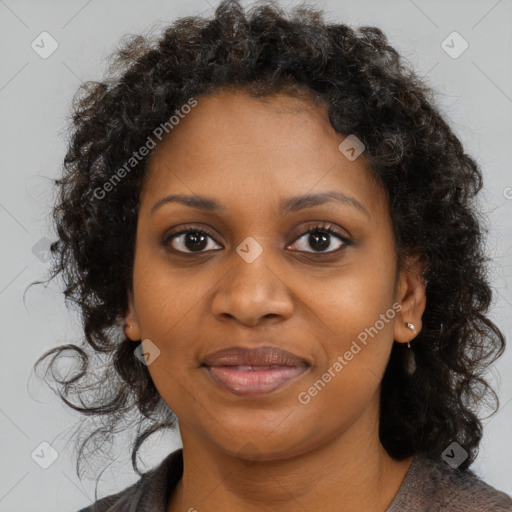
point(320, 239)
point(189, 241)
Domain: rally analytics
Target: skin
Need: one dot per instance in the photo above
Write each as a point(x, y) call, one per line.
point(271, 452)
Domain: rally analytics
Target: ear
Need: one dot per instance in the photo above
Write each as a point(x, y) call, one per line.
point(131, 327)
point(412, 297)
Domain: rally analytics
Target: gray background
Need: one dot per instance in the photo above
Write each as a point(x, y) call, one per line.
point(474, 91)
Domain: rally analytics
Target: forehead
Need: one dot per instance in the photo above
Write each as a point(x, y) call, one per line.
point(234, 121)
point(249, 150)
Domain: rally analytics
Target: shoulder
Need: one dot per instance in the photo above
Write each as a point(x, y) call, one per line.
point(114, 502)
point(431, 485)
point(150, 492)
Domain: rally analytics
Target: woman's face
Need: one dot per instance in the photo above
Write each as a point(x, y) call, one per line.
point(256, 279)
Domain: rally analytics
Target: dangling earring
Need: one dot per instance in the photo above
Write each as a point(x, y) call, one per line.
point(411, 360)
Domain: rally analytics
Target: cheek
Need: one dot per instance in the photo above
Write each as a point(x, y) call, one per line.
point(354, 319)
point(348, 378)
point(168, 300)
point(346, 302)
point(169, 308)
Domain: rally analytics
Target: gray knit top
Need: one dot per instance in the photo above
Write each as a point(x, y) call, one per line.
point(429, 486)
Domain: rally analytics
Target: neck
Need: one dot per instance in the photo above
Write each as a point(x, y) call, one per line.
point(352, 470)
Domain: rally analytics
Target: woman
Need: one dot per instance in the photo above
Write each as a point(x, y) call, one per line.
point(274, 214)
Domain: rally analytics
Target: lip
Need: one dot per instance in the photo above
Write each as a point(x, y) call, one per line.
point(252, 372)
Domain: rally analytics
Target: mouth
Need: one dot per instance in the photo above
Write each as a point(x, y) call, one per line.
point(253, 372)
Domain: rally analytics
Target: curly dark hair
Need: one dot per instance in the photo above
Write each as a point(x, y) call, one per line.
point(369, 92)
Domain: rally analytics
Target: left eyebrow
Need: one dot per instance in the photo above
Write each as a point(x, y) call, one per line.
point(290, 205)
point(298, 203)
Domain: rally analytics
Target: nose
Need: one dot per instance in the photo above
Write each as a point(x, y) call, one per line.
point(252, 292)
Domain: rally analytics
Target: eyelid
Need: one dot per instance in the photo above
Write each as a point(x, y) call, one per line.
point(297, 234)
point(322, 226)
point(185, 229)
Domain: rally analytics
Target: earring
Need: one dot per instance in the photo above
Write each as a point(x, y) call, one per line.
point(411, 360)
point(410, 326)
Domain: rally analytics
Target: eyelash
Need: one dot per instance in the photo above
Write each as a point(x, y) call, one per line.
point(323, 228)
